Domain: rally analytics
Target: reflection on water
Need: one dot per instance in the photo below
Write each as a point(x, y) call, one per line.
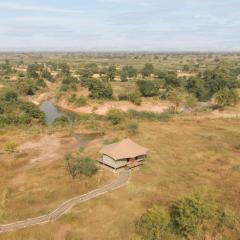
point(51, 111)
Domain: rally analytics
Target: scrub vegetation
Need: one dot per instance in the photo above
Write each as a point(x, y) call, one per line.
point(183, 107)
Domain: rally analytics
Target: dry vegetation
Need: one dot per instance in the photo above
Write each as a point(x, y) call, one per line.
point(185, 156)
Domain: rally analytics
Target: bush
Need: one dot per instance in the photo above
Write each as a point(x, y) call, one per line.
point(133, 127)
point(226, 97)
point(81, 101)
point(115, 116)
point(134, 97)
point(11, 96)
point(61, 121)
point(77, 165)
point(154, 224)
point(100, 90)
point(193, 217)
point(149, 88)
point(188, 215)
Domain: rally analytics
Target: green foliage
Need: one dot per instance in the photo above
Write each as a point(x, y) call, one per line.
point(100, 90)
point(154, 224)
point(134, 97)
point(32, 70)
point(10, 147)
point(61, 121)
point(133, 127)
point(176, 96)
point(227, 218)
point(11, 96)
point(124, 76)
point(226, 97)
point(190, 101)
point(80, 101)
point(130, 71)
point(190, 214)
point(68, 83)
point(47, 75)
point(147, 70)
point(193, 217)
point(111, 73)
point(171, 80)
point(115, 116)
point(195, 85)
point(145, 115)
point(80, 165)
point(149, 88)
point(218, 79)
point(19, 112)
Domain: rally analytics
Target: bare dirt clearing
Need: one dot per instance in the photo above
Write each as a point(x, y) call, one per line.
point(49, 148)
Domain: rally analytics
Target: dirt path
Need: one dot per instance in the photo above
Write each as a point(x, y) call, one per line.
point(66, 206)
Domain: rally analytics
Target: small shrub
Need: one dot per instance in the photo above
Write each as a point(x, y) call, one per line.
point(77, 165)
point(10, 147)
point(81, 101)
point(133, 127)
point(135, 98)
point(115, 116)
point(11, 96)
point(61, 121)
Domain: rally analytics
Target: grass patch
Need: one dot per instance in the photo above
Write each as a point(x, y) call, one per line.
point(145, 115)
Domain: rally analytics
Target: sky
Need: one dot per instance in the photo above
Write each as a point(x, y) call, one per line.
point(119, 25)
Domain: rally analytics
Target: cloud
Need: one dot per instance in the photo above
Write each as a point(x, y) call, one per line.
point(16, 6)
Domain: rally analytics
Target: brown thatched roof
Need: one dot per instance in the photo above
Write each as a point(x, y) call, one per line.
point(124, 149)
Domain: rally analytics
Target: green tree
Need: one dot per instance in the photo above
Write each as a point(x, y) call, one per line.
point(190, 214)
point(154, 224)
point(148, 88)
point(196, 86)
point(176, 96)
point(111, 73)
point(124, 76)
point(100, 90)
point(147, 70)
point(171, 80)
point(80, 165)
point(226, 97)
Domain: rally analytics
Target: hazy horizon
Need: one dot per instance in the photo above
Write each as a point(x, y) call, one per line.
point(119, 26)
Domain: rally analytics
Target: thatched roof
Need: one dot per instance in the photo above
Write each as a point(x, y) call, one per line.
point(124, 149)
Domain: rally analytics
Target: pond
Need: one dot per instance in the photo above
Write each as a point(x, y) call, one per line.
point(52, 112)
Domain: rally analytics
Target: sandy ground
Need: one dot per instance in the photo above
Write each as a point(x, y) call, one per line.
point(102, 109)
point(48, 147)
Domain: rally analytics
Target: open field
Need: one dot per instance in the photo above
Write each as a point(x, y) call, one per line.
point(34, 180)
point(185, 156)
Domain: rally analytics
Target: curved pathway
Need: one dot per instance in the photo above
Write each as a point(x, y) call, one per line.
point(66, 206)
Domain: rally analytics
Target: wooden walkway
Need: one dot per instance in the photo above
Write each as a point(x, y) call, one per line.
point(66, 206)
